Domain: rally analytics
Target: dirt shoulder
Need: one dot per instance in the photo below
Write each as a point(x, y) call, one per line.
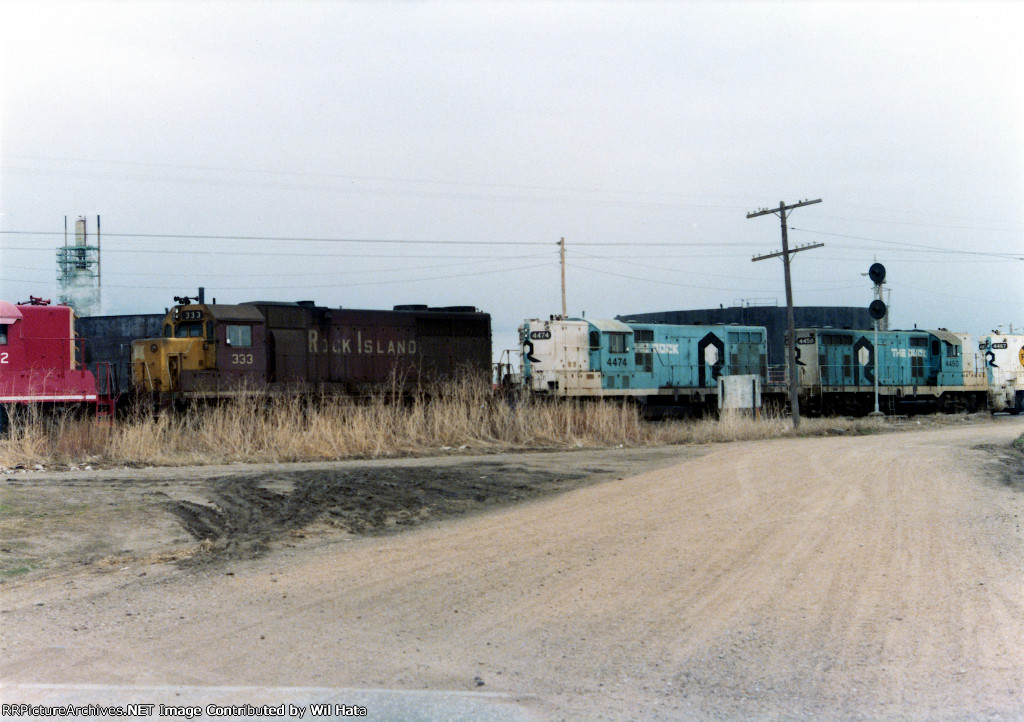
point(98, 520)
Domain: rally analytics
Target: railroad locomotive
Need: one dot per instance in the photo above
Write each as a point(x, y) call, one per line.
point(40, 360)
point(214, 350)
point(659, 365)
point(1003, 358)
point(208, 351)
point(915, 369)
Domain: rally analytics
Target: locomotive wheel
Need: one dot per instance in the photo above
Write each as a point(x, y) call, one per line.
point(1018, 403)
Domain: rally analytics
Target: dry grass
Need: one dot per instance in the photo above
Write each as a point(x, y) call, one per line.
point(255, 428)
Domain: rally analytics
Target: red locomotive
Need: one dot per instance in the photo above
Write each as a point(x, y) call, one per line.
point(39, 359)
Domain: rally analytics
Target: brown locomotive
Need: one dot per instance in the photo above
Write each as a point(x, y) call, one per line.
point(216, 350)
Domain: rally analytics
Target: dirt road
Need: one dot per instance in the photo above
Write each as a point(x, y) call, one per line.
point(840, 578)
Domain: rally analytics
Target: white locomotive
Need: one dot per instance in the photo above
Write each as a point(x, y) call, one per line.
point(1003, 355)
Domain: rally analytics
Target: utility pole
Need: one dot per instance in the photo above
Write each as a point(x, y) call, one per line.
point(561, 254)
point(781, 212)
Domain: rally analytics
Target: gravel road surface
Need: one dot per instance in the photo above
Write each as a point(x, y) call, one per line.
point(843, 577)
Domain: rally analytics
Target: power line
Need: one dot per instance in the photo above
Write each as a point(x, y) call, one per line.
point(924, 224)
point(621, 259)
point(660, 256)
point(922, 248)
point(391, 241)
point(274, 254)
point(352, 177)
point(304, 274)
point(664, 283)
point(932, 291)
point(551, 196)
point(321, 285)
point(910, 247)
point(284, 239)
point(668, 198)
point(58, 236)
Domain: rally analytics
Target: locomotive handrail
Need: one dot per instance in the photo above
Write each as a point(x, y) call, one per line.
point(107, 377)
point(107, 400)
point(145, 371)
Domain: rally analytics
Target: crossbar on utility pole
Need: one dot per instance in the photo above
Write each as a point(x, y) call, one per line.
point(785, 253)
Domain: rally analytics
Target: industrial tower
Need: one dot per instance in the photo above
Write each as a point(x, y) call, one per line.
point(78, 270)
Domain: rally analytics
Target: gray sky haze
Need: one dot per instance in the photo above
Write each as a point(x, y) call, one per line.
point(367, 154)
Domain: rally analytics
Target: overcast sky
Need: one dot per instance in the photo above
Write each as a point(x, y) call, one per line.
point(436, 152)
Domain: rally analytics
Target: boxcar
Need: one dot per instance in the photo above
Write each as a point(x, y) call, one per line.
point(106, 342)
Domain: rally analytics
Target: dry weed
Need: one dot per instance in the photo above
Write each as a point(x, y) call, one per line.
point(255, 427)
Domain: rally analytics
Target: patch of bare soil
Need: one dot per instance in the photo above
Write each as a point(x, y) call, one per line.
point(1011, 459)
point(245, 515)
point(101, 520)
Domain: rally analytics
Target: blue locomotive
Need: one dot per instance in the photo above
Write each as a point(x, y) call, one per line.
point(916, 369)
point(655, 364)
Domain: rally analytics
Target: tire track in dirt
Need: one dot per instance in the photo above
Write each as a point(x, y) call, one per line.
point(245, 515)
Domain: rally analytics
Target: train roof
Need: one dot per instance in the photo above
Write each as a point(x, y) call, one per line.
point(9, 313)
point(234, 312)
point(609, 325)
point(948, 336)
point(941, 333)
point(401, 308)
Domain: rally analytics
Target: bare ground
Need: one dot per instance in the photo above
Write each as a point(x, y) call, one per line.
point(847, 577)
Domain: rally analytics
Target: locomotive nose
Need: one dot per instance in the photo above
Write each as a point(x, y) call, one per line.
point(155, 367)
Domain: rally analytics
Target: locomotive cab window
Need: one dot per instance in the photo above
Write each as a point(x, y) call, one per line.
point(835, 339)
point(189, 330)
point(743, 337)
point(239, 336)
point(168, 331)
point(595, 340)
point(617, 343)
point(3, 334)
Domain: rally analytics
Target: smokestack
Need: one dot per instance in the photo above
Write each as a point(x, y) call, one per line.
point(202, 295)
